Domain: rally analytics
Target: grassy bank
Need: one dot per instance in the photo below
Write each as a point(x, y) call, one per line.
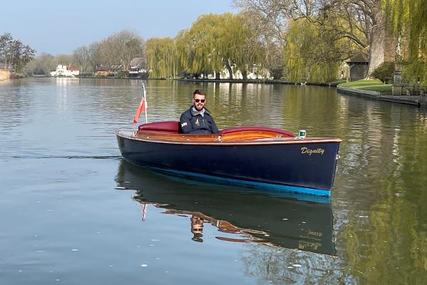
point(370, 84)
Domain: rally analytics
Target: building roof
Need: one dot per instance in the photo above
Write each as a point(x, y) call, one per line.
point(72, 67)
point(136, 62)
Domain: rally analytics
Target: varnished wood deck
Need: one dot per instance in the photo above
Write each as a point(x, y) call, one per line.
point(243, 136)
point(239, 138)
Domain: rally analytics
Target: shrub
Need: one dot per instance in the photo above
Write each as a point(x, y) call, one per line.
point(122, 74)
point(384, 72)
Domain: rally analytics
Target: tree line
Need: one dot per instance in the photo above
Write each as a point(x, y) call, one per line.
point(114, 52)
point(408, 20)
point(14, 54)
point(296, 40)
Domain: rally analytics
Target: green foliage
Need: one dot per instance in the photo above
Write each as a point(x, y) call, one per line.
point(345, 26)
point(384, 72)
point(215, 41)
point(122, 74)
point(199, 48)
point(161, 57)
point(247, 48)
point(408, 19)
point(309, 54)
point(415, 72)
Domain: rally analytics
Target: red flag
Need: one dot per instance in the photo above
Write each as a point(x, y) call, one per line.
point(141, 108)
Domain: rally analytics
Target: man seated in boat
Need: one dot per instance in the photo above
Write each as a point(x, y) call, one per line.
point(197, 119)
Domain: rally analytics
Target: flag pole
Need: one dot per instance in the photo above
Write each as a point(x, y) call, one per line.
point(142, 107)
point(145, 105)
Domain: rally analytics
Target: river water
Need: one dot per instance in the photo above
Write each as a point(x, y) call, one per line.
point(73, 212)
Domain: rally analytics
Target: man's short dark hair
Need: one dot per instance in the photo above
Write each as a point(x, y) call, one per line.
point(199, 92)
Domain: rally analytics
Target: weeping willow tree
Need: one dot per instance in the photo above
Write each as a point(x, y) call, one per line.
point(311, 54)
point(199, 48)
point(217, 41)
point(161, 57)
point(244, 43)
point(409, 21)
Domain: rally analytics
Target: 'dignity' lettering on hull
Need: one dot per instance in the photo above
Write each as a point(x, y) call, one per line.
point(309, 151)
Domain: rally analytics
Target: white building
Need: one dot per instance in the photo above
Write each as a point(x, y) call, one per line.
point(64, 71)
point(254, 73)
point(136, 68)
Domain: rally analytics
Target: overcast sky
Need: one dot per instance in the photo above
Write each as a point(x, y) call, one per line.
point(59, 27)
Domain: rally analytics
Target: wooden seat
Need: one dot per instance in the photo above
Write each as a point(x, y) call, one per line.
point(163, 127)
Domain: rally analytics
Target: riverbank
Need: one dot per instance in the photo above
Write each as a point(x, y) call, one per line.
point(375, 89)
point(418, 101)
point(258, 81)
point(250, 81)
point(369, 85)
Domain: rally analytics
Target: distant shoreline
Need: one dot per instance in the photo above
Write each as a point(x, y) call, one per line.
point(250, 81)
point(409, 100)
point(257, 81)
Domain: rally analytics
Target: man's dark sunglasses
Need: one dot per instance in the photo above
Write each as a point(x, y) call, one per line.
point(199, 100)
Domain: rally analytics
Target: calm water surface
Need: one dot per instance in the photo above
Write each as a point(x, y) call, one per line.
point(72, 212)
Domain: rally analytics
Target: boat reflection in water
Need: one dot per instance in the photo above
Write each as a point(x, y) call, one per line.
point(240, 215)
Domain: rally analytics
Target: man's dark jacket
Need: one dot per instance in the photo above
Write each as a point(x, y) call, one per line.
point(193, 122)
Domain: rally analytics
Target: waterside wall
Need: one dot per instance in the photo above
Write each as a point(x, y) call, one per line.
point(419, 101)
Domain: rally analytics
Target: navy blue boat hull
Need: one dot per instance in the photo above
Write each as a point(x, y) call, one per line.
point(302, 167)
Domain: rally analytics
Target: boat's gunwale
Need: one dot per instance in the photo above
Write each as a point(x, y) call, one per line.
point(218, 142)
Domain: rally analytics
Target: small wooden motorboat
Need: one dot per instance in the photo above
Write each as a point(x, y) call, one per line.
point(261, 157)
